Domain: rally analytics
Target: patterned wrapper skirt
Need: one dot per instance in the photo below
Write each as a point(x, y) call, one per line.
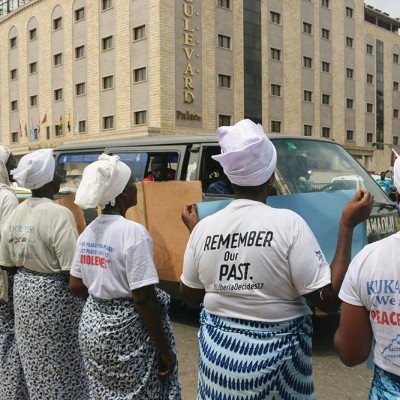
point(249, 360)
point(385, 385)
point(46, 330)
point(121, 359)
point(12, 381)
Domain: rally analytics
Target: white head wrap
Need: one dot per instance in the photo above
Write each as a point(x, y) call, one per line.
point(396, 172)
point(248, 157)
point(102, 181)
point(35, 169)
point(4, 156)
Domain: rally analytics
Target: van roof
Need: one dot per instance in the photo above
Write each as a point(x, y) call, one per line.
point(165, 139)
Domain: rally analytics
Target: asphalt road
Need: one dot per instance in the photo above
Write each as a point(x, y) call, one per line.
point(333, 381)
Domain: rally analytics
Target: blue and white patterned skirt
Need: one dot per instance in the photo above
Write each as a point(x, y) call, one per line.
point(12, 381)
point(385, 386)
point(46, 330)
point(247, 360)
point(121, 359)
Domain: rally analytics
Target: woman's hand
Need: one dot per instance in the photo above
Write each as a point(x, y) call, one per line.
point(189, 216)
point(357, 209)
point(167, 363)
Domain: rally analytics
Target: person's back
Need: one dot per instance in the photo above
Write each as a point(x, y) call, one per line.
point(384, 183)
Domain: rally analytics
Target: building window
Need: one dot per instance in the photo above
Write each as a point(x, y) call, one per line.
point(275, 90)
point(326, 67)
point(276, 126)
point(396, 86)
point(79, 52)
point(108, 122)
point(370, 137)
point(325, 34)
point(224, 81)
point(326, 99)
point(370, 78)
point(14, 74)
point(275, 54)
point(349, 73)
point(32, 34)
point(370, 49)
point(325, 3)
point(224, 41)
point(14, 105)
point(33, 101)
point(58, 94)
point(79, 14)
point(307, 95)
point(395, 140)
point(224, 120)
point(307, 131)
point(140, 117)
point(349, 12)
point(82, 126)
point(57, 23)
point(13, 42)
point(14, 137)
point(139, 32)
point(107, 43)
point(57, 59)
point(224, 3)
point(370, 108)
point(350, 103)
point(395, 113)
point(326, 132)
point(349, 41)
point(33, 67)
point(108, 82)
point(307, 27)
point(80, 89)
point(139, 74)
point(307, 62)
point(106, 4)
point(395, 58)
point(349, 135)
point(275, 17)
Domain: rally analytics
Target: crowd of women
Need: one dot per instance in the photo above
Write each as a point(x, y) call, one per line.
point(82, 317)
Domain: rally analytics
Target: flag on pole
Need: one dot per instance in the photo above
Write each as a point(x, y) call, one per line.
point(26, 129)
point(69, 122)
point(38, 127)
point(20, 130)
point(76, 126)
point(44, 120)
point(60, 125)
point(32, 132)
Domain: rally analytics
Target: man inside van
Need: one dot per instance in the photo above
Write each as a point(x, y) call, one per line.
point(384, 183)
point(159, 170)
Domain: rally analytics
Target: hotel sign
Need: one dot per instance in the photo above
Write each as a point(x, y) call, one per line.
point(188, 52)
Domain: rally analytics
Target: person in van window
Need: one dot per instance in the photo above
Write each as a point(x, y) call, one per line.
point(125, 332)
point(384, 183)
point(220, 186)
point(370, 312)
point(12, 382)
point(39, 240)
point(159, 170)
point(253, 267)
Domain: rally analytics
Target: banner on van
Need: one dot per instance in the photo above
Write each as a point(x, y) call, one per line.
point(321, 210)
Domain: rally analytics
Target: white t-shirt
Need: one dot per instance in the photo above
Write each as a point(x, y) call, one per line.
point(113, 257)
point(8, 202)
point(39, 235)
point(373, 281)
point(255, 262)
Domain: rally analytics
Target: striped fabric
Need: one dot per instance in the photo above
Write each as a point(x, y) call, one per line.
point(385, 386)
point(247, 360)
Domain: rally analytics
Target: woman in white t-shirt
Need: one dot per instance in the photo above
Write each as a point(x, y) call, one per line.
point(370, 315)
point(125, 333)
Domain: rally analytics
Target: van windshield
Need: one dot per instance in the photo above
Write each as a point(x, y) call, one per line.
point(312, 166)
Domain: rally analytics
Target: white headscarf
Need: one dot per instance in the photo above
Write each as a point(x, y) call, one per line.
point(35, 169)
point(4, 156)
point(102, 181)
point(248, 157)
point(396, 172)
